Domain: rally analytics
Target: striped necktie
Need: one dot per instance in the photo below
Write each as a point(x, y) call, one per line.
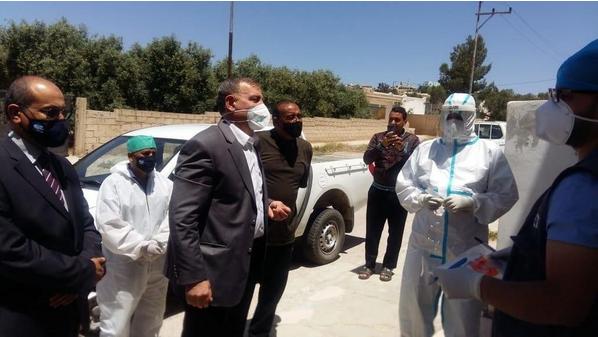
point(43, 163)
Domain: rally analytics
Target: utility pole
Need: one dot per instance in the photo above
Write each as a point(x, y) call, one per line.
point(477, 29)
point(230, 41)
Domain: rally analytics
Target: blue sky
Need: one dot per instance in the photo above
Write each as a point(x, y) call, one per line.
point(361, 42)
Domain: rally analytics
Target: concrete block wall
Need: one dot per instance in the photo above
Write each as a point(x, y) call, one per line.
point(93, 127)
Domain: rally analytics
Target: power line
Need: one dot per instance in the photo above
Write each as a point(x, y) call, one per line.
point(530, 40)
point(477, 29)
point(544, 40)
point(526, 82)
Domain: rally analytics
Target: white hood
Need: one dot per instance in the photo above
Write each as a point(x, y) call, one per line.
point(458, 117)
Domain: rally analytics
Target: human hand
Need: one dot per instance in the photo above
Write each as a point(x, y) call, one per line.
point(429, 201)
point(152, 250)
point(278, 211)
point(399, 145)
point(502, 254)
point(99, 263)
point(460, 282)
point(199, 295)
point(155, 248)
point(389, 138)
point(458, 203)
point(62, 300)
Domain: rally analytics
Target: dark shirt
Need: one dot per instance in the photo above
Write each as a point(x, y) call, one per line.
point(388, 160)
point(286, 165)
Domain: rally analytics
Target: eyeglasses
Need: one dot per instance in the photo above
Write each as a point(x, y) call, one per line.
point(557, 95)
point(54, 112)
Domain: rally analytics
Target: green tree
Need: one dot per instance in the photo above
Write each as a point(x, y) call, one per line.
point(455, 78)
point(319, 93)
point(53, 51)
point(496, 100)
point(162, 75)
point(383, 87)
point(177, 79)
point(104, 63)
point(437, 96)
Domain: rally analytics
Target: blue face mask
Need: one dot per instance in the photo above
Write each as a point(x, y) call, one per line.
point(48, 133)
point(146, 164)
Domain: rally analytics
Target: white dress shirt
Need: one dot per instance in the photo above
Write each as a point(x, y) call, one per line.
point(246, 142)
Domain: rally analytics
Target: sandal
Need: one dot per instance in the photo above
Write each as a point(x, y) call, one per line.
point(386, 274)
point(365, 273)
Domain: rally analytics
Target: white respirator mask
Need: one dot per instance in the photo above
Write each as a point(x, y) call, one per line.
point(555, 121)
point(258, 117)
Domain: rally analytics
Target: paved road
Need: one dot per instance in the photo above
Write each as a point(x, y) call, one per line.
point(330, 300)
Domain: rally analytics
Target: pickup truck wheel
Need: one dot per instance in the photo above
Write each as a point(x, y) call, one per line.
point(326, 237)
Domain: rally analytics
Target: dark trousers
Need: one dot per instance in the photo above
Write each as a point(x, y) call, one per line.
point(382, 206)
point(226, 321)
point(25, 318)
point(274, 280)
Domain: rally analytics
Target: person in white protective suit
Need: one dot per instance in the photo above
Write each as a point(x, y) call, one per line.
point(456, 185)
point(132, 216)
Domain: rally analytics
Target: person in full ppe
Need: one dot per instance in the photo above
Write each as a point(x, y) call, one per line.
point(456, 185)
point(132, 216)
point(550, 285)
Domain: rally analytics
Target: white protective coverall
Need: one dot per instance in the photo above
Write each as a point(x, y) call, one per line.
point(132, 295)
point(456, 164)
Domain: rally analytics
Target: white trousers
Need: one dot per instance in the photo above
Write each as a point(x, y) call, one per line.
point(420, 297)
point(132, 298)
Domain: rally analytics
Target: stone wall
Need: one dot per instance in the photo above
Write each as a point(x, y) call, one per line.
point(424, 124)
point(93, 128)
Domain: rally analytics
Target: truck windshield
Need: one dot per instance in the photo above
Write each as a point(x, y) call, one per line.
point(95, 167)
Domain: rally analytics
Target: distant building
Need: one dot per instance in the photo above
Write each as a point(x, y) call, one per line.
point(414, 105)
point(431, 84)
point(403, 88)
point(380, 103)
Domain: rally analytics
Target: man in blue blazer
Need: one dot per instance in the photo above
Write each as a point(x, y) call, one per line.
point(50, 256)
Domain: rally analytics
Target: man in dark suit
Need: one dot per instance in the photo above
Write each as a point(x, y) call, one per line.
point(218, 214)
point(50, 256)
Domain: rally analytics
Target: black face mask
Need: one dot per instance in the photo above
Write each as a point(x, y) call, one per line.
point(48, 133)
point(146, 164)
point(293, 129)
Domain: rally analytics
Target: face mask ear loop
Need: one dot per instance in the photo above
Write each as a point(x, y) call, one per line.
point(228, 113)
point(586, 119)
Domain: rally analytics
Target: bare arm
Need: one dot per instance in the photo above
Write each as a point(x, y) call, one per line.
point(565, 297)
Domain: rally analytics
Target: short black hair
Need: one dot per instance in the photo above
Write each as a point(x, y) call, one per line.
point(231, 86)
point(276, 111)
point(19, 93)
point(399, 109)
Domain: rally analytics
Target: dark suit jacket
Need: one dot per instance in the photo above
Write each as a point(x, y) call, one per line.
point(44, 249)
point(212, 215)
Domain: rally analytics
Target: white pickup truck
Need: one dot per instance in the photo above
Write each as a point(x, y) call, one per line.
point(325, 209)
point(492, 131)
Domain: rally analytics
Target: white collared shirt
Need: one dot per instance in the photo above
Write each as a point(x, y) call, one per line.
point(32, 152)
point(246, 142)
